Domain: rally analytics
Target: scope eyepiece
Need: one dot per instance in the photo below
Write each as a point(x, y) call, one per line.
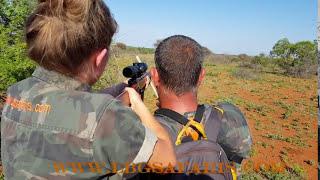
point(134, 71)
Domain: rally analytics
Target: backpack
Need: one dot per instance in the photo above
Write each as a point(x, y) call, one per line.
point(195, 151)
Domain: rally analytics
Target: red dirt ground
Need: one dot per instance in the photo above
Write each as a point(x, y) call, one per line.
point(301, 125)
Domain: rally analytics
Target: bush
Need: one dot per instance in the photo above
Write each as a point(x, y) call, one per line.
point(14, 64)
point(13, 72)
point(262, 60)
point(298, 68)
point(244, 57)
point(245, 74)
point(121, 46)
point(250, 65)
point(219, 59)
point(111, 76)
point(260, 63)
point(143, 50)
point(298, 60)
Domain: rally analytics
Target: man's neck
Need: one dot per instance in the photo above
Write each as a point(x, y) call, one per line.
point(185, 103)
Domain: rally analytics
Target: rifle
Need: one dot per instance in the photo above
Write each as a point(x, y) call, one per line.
point(139, 79)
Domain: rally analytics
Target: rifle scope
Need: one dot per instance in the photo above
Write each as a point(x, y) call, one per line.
point(135, 71)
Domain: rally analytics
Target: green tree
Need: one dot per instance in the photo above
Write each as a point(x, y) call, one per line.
point(261, 60)
point(299, 59)
point(14, 64)
point(281, 49)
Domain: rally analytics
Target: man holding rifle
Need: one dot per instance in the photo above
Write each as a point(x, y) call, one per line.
point(178, 74)
point(177, 77)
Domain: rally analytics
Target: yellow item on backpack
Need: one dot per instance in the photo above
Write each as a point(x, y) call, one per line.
point(193, 129)
point(234, 174)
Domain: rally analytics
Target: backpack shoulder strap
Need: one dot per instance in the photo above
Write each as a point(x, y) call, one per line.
point(192, 129)
point(213, 123)
point(172, 115)
point(180, 118)
point(199, 113)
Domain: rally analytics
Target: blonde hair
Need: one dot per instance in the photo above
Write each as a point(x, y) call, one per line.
point(62, 34)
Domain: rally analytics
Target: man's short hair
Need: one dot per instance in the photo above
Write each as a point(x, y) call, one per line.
point(179, 61)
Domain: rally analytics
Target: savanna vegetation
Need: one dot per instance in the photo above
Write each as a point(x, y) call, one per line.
point(14, 64)
point(276, 92)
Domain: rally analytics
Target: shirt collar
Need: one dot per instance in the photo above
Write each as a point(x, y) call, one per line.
point(60, 80)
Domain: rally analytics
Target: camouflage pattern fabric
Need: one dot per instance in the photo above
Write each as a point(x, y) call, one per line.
point(234, 136)
point(53, 127)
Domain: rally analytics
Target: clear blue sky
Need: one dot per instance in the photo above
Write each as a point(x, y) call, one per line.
point(224, 26)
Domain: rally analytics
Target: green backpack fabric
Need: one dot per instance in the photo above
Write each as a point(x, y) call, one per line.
point(203, 153)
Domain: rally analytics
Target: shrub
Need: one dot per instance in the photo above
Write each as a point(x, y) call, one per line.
point(143, 50)
point(298, 60)
point(14, 64)
point(121, 46)
point(245, 74)
point(219, 59)
point(262, 60)
point(244, 57)
point(250, 65)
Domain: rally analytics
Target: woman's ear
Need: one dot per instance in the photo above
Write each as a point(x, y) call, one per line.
point(201, 76)
point(99, 60)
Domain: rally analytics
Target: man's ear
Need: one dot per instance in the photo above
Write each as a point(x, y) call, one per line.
point(201, 76)
point(155, 76)
point(101, 56)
